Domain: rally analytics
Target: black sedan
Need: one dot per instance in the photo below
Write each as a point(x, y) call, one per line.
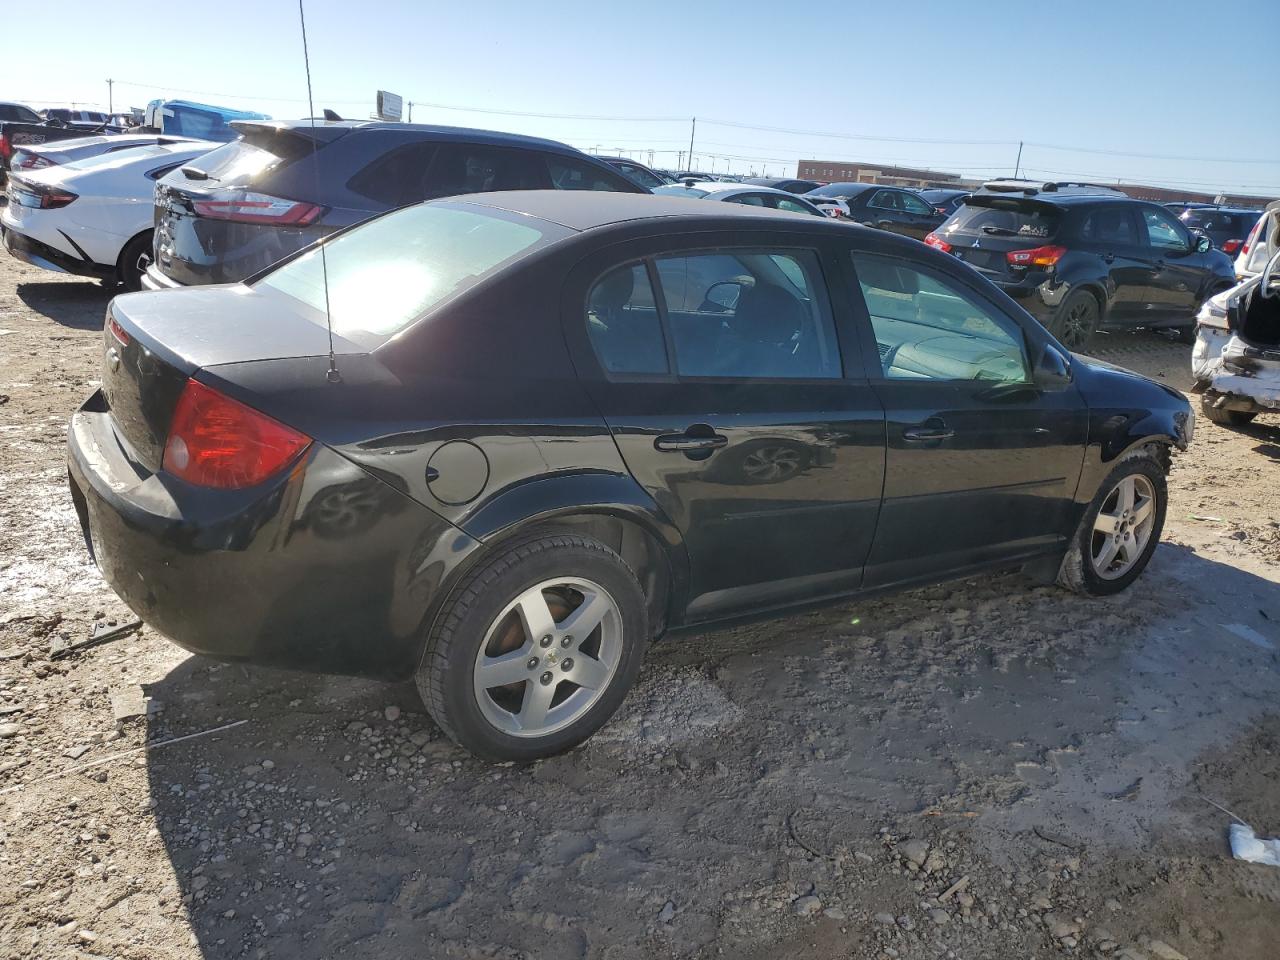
point(552, 426)
point(889, 208)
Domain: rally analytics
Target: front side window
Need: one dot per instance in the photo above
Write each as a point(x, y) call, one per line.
point(914, 204)
point(1163, 231)
point(569, 174)
point(750, 199)
point(791, 206)
point(884, 200)
point(749, 315)
point(623, 323)
point(928, 328)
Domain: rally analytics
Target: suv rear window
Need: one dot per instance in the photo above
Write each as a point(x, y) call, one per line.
point(388, 272)
point(236, 162)
point(1220, 221)
point(1004, 218)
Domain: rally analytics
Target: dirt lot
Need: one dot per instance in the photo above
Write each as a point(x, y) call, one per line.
point(986, 769)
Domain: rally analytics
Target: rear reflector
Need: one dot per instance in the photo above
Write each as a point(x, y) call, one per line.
point(1045, 256)
point(117, 331)
point(215, 441)
point(251, 207)
point(937, 243)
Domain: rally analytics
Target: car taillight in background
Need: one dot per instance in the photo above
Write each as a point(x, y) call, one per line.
point(218, 442)
point(1253, 236)
point(1231, 246)
point(937, 243)
point(1045, 256)
point(22, 160)
point(249, 207)
point(6, 148)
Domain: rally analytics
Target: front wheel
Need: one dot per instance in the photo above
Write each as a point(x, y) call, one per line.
point(536, 649)
point(1119, 530)
point(1076, 319)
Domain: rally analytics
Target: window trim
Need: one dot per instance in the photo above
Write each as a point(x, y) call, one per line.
point(673, 376)
point(871, 357)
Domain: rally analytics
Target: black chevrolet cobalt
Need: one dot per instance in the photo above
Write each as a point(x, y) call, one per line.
point(553, 426)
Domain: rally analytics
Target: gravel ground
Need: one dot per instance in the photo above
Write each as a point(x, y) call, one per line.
point(984, 769)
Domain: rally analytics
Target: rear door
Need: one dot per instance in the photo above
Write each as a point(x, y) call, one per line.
point(740, 404)
point(479, 168)
point(1111, 233)
point(981, 464)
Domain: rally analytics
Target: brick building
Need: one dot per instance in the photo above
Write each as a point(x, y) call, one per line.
point(847, 171)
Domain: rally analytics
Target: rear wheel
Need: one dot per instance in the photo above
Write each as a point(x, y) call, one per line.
point(1119, 530)
point(1075, 320)
point(134, 260)
point(536, 650)
point(1226, 418)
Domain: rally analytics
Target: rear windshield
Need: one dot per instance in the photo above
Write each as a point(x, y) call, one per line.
point(680, 190)
point(839, 190)
point(1220, 221)
point(1004, 218)
point(385, 274)
point(237, 162)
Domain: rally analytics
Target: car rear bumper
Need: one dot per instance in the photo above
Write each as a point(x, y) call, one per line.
point(153, 279)
point(40, 254)
point(1038, 293)
point(1236, 375)
point(324, 568)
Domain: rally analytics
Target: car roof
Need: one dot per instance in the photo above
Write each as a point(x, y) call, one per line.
point(584, 210)
point(726, 186)
point(851, 187)
point(434, 131)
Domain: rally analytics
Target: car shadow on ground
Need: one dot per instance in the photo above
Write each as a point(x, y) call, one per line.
point(338, 821)
point(80, 306)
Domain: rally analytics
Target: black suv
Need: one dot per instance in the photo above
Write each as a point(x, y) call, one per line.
point(1227, 227)
point(282, 185)
point(1080, 256)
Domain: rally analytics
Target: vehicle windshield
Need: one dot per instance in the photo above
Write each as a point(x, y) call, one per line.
point(680, 190)
point(1004, 218)
point(387, 273)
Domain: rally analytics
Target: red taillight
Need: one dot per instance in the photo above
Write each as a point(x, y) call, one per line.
point(53, 199)
point(6, 148)
point(1045, 256)
point(117, 331)
point(215, 441)
point(251, 207)
point(937, 243)
point(1253, 235)
point(1231, 246)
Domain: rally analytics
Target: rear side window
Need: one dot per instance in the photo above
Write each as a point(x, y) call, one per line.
point(748, 314)
point(569, 174)
point(398, 177)
point(1112, 224)
point(622, 320)
point(1037, 221)
point(476, 168)
point(388, 272)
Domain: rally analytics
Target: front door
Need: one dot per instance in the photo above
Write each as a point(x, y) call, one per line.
point(722, 377)
point(981, 464)
point(1175, 268)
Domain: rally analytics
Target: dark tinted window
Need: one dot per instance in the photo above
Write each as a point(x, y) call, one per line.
point(750, 199)
point(475, 168)
point(398, 177)
point(570, 174)
point(1011, 218)
point(749, 315)
point(622, 320)
point(840, 190)
point(1220, 221)
point(885, 200)
point(18, 113)
point(1110, 225)
point(639, 175)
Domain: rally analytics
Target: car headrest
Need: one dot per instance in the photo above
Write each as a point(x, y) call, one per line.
point(767, 314)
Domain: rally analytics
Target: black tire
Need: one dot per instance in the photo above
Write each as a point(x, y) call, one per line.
point(1077, 572)
point(1076, 320)
point(1225, 418)
point(445, 677)
point(1186, 334)
point(133, 261)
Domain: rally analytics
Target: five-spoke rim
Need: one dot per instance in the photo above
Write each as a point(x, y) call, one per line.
point(548, 657)
point(1123, 527)
point(771, 463)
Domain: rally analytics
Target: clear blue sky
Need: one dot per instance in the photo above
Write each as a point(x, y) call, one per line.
point(1177, 79)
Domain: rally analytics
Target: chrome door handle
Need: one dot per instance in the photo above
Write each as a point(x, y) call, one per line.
point(931, 430)
point(684, 443)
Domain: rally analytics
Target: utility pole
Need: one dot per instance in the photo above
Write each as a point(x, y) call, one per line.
point(693, 126)
point(679, 160)
point(410, 111)
point(110, 101)
point(1018, 164)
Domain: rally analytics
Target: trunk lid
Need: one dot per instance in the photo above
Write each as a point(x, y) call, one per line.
point(192, 248)
point(986, 229)
point(153, 342)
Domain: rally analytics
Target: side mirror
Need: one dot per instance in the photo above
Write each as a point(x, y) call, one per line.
point(1053, 369)
point(1200, 243)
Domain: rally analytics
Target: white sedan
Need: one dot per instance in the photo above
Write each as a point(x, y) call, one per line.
point(40, 156)
point(92, 217)
point(746, 193)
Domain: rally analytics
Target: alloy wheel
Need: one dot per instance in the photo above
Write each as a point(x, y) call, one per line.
point(1078, 324)
point(1123, 527)
point(771, 464)
point(548, 657)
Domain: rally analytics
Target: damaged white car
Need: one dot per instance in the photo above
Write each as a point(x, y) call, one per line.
point(1236, 359)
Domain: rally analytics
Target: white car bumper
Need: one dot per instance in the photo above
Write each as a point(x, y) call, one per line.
point(1242, 376)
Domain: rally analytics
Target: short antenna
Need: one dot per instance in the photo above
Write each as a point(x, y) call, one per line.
point(332, 375)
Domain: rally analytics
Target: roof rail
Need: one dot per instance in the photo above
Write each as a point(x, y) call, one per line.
point(1032, 187)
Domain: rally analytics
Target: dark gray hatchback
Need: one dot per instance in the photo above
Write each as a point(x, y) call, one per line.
point(282, 185)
